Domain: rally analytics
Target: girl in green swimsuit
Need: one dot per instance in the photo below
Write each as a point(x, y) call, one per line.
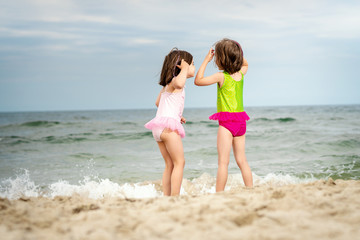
point(230, 110)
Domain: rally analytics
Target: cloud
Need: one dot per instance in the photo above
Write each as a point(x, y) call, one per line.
point(144, 41)
point(37, 33)
point(322, 19)
point(196, 23)
point(78, 18)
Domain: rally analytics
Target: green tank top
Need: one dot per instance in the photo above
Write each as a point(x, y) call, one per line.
point(230, 95)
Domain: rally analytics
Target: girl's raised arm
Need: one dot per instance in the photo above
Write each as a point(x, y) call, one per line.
point(200, 80)
point(179, 81)
point(244, 66)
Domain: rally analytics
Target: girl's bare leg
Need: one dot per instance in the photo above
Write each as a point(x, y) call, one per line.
point(240, 157)
point(224, 141)
point(174, 147)
point(169, 166)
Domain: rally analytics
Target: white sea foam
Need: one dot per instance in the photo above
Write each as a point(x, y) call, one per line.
point(23, 186)
point(277, 180)
point(102, 188)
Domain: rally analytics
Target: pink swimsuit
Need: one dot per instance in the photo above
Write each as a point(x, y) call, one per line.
point(168, 115)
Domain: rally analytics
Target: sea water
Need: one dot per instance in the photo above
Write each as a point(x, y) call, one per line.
point(110, 153)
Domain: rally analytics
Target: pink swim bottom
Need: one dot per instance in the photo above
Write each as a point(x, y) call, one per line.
point(236, 128)
point(157, 133)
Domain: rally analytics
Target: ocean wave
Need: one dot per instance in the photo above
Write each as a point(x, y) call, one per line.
point(209, 123)
point(20, 186)
point(348, 143)
point(40, 123)
point(67, 139)
point(87, 156)
point(14, 140)
point(213, 125)
point(75, 138)
point(96, 188)
point(137, 135)
point(280, 120)
point(347, 168)
point(197, 122)
point(17, 140)
point(128, 123)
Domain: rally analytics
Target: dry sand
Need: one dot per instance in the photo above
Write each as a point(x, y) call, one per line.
point(318, 210)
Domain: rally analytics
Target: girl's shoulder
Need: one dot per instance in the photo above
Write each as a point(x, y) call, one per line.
point(171, 89)
point(162, 90)
point(220, 76)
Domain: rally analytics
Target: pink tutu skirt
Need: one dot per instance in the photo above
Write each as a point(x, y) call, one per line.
point(230, 116)
point(166, 122)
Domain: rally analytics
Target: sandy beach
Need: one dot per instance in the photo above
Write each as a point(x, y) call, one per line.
point(319, 210)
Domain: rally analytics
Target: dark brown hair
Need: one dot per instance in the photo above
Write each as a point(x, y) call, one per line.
point(228, 55)
point(169, 69)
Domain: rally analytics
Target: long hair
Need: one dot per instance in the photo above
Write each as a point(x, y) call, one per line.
point(228, 55)
point(169, 69)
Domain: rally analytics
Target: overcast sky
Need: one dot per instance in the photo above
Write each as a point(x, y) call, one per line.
point(84, 55)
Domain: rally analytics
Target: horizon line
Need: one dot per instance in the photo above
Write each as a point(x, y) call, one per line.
point(154, 108)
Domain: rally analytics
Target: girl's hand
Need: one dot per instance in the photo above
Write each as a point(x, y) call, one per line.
point(180, 79)
point(183, 120)
point(200, 80)
point(183, 64)
point(210, 55)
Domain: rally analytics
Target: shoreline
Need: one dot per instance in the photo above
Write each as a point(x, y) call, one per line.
point(324, 209)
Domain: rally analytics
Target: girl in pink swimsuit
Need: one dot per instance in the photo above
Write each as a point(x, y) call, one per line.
point(166, 126)
point(230, 110)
